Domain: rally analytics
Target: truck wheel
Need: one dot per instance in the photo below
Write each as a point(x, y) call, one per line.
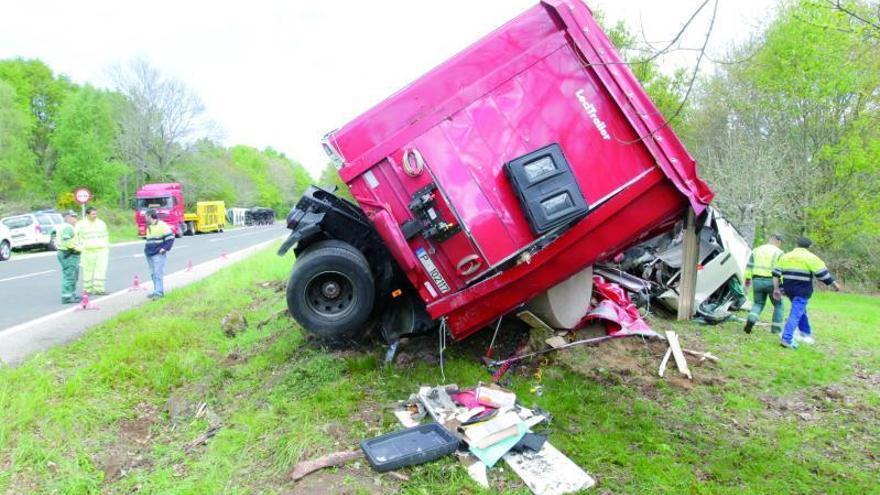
point(190, 228)
point(181, 229)
point(331, 292)
point(5, 251)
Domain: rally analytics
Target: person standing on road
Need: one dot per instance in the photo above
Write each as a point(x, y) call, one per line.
point(160, 238)
point(797, 269)
point(92, 234)
point(759, 274)
point(68, 257)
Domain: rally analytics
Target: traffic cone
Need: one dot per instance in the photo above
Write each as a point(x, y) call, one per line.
point(136, 285)
point(223, 256)
point(85, 303)
point(189, 265)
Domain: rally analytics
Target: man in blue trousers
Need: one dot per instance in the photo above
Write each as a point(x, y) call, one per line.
point(160, 238)
point(797, 269)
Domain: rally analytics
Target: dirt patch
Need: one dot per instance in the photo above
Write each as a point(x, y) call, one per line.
point(356, 478)
point(131, 450)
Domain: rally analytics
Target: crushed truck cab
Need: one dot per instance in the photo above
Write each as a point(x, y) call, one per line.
point(498, 175)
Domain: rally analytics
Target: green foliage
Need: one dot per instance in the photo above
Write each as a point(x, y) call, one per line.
point(330, 179)
point(84, 142)
point(16, 159)
point(39, 93)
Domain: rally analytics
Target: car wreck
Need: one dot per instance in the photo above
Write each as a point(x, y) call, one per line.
point(651, 271)
point(494, 181)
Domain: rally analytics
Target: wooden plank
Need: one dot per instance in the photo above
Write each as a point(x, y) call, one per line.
point(687, 288)
point(664, 361)
point(680, 361)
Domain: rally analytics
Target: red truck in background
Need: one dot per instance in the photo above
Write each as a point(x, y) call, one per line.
point(497, 177)
point(167, 200)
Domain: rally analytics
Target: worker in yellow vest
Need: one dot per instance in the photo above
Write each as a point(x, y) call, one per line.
point(160, 238)
point(793, 275)
point(68, 256)
point(759, 274)
point(95, 247)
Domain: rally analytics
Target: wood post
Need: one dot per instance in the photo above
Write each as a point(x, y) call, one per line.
point(687, 286)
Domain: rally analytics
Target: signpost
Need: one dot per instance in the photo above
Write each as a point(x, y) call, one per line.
point(82, 196)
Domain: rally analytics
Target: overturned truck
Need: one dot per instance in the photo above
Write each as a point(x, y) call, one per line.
point(499, 175)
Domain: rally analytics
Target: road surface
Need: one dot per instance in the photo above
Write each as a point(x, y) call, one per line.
point(30, 285)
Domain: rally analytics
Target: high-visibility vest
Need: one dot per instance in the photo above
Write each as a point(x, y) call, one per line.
point(67, 239)
point(92, 234)
point(762, 261)
point(797, 268)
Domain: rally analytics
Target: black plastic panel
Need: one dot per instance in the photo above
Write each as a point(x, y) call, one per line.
point(547, 188)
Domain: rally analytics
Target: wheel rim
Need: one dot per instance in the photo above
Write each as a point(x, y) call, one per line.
point(330, 294)
point(5, 250)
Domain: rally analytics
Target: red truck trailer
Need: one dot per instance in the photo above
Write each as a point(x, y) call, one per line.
point(500, 174)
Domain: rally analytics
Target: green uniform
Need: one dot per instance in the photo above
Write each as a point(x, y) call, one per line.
point(760, 271)
point(68, 257)
point(95, 243)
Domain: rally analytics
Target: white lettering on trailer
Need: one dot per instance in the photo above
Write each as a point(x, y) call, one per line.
point(593, 113)
point(371, 179)
point(431, 289)
point(432, 270)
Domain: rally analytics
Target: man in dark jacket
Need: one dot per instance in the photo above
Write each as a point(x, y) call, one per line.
point(160, 238)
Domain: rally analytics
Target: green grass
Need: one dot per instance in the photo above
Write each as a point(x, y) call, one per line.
point(91, 417)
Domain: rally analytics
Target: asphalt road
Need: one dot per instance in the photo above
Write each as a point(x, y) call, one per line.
point(30, 285)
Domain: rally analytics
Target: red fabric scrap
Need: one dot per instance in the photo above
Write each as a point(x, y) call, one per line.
point(617, 309)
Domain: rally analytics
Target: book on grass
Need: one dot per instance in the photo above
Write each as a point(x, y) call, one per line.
point(482, 435)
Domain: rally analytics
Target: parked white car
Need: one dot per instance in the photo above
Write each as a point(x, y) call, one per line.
point(5, 243)
point(33, 229)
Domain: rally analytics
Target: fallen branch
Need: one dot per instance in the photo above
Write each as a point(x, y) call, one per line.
point(202, 439)
point(305, 468)
point(399, 476)
point(702, 355)
point(274, 316)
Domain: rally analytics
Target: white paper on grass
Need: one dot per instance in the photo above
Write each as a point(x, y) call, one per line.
point(549, 472)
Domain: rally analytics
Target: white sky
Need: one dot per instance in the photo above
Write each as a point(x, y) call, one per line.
point(283, 73)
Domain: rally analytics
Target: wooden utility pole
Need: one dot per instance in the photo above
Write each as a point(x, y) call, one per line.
point(687, 287)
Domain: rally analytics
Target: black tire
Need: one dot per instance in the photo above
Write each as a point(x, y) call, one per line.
point(331, 292)
point(190, 228)
point(181, 229)
point(5, 251)
point(51, 245)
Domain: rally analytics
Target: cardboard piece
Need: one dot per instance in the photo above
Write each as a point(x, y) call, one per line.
point(549, 472)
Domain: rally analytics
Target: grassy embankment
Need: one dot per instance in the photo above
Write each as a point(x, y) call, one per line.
point(115, 411)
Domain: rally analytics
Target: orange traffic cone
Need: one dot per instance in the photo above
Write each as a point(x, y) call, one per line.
point(85, 303)
point(189, 265)
point(223, 255)
point(136, 285)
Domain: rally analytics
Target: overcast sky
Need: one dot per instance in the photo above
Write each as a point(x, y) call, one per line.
point(283, 73)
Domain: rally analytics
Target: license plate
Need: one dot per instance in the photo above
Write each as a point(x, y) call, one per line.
point(432, 270)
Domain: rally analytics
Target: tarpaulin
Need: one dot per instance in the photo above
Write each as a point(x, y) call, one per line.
point(617, 309)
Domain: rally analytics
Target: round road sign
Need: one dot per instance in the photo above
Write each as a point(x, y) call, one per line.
point(82, 195)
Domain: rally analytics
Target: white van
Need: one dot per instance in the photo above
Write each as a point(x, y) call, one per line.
point(33, 229)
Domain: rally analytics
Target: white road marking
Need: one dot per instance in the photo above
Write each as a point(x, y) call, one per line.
point(229, 237)
point(26, 276)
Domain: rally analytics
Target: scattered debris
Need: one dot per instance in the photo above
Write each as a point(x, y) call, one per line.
point(488, 419)
point(202, 439)
point(233, 324)
point(664, 362)
point(680, 361)
point(417, 445)
point(274, 316)
point(305, 468)
point(702, 355)
point(549, 472)
point(556, 341)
